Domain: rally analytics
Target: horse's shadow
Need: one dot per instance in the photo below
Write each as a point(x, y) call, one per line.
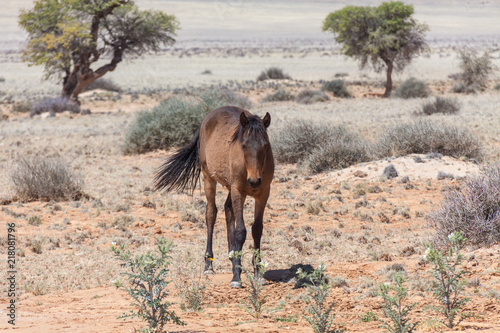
point(289, 275)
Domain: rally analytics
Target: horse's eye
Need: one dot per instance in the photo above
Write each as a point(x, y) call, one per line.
point(266, 146)
point(243, 146)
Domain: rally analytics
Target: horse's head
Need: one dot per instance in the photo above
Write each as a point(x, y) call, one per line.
point(255, 145)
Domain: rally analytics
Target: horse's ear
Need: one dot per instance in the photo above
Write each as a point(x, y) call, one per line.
point(267, 120)
point(243, 119)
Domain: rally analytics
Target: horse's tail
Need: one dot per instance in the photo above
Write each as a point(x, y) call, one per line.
point(181, 170)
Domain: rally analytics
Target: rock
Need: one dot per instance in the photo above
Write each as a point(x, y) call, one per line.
point(360, 174)
point(431, 156)
point(404, 180)
point(418, 159)
point(389, 172)
point(443, 175)
point(85, 112)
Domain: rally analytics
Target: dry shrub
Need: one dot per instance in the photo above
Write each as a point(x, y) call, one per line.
point(440, 105)
point(474, 209)
point(475, 71)
point(273, 73)
point(54, 105)
point(337, 88)
point(412, 88)
point(39, 178)
point(319, 147)
point(280, 95)
point(309, 96)
point(425, 136)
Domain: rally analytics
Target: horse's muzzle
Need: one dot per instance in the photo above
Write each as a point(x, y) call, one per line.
point(254, 184)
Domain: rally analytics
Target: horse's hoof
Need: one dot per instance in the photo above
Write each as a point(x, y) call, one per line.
point(208, 272)
point(235, 284)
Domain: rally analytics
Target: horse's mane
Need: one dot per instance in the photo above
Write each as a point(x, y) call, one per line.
point(253, 128)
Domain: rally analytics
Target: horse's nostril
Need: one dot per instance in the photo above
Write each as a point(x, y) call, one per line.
point(255, 183)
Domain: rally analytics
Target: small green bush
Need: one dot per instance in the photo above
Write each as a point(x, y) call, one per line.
point(412, 88)
point(280, 95)
point(309, 96)
point(147, 279)
point(425, 136)
point(337, 88)
point(38, 178)
point(22, 106)
point(273, 73)
point(175, 120)
point(103, 84)
point(440, 105)
point(473, 210)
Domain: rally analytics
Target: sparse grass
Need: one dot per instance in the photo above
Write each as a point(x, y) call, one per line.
point(34, 220)
point(39, 178)
point(425, 136)
point(440, 105)
point(273, 73)
point(309, 96)
point(412, 88)
point(175, 120)
point(254, 302)
point(474, 209)
point(280, 95)
point(188, 279)
point(337, 88)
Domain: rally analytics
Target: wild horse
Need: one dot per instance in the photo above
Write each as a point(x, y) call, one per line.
point(232, 148)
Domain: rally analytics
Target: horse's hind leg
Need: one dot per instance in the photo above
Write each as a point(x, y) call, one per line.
point(211, 215)
point(257, 227)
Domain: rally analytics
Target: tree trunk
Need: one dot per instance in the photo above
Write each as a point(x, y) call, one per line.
point(82, 75)
point(388, 82)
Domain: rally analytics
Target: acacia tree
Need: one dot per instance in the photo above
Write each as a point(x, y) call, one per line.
point(69, 37)
point(385, 37)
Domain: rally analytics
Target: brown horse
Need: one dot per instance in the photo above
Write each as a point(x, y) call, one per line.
point(232, 148)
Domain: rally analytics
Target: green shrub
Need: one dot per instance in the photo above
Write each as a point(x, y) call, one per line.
point(273, 73)
point(254, 302)
point(337, 88)
point(473, 210)
point(440, 105)
point(309, 96)
point(103, 84)
point(22, 106)
point(175, 120)
point(35, 220)
point(425, 136)
point(412, 88)
point(279, 95)
point(38, 178)
point(320, 315)
point(147, 277)
point(394, 308)
point(448, 280)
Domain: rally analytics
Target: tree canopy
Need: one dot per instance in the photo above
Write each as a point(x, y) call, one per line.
point(384, 37)
point(67, 37)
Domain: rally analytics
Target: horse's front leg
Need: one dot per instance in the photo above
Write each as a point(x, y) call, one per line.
point(257, 227)
point(211, 215)
point(239, 236)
